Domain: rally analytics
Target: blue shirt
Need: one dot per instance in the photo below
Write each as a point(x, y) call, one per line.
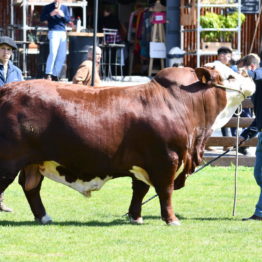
point(13, 74)
point(257, 97)
point(55, 23)
point(256, 125)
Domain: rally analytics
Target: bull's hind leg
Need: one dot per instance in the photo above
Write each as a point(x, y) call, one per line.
point(31, 180)
point(139, 191)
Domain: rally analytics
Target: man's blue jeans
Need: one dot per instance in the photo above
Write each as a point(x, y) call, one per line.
point(57, 52)
point(258, 174)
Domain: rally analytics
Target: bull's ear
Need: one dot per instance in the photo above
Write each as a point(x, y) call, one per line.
point(203, 75)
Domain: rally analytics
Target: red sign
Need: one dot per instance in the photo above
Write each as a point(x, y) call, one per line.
point(159, 18)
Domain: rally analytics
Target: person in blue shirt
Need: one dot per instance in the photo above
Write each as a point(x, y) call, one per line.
point(8, 73)
point(57, 16)
point(256, 127)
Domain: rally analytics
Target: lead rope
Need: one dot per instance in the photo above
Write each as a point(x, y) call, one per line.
point(232, 89)
point(239, 110)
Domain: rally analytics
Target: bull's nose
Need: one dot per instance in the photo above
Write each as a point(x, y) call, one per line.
point(252, 88)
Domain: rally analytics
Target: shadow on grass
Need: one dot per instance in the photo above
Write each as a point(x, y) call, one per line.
point(206, 218)
point(195, 218)
point(116, 222)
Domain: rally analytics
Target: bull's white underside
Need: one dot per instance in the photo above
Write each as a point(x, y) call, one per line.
point(180, 169)
point(141, 174)
point(48, 169)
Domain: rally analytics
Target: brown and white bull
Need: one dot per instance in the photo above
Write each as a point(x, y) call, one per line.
point(82, 137)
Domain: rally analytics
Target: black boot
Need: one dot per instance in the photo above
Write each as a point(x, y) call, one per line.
point(55, 78)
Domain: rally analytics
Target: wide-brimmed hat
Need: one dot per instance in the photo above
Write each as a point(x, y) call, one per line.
point(8, 41)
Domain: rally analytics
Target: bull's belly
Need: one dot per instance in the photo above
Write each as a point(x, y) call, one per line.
point(49, 169)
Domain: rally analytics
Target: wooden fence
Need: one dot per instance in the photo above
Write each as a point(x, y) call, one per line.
point(218, 142)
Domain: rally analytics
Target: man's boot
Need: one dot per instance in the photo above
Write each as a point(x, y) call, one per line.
point(3, 207)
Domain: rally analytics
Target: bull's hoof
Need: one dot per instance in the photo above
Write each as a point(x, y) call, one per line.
point(174, 223)
point(45, 220)
point(138, 221)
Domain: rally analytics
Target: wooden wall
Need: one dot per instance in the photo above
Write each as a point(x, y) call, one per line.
point(248, 32)
point(5, 15)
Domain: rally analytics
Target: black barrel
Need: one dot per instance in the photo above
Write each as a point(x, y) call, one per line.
point(78, 46)
point(43, 54)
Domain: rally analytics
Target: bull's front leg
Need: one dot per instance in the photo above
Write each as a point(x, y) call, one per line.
point(139, 191)
point(165, 199)
point(31, 180)
point(163, 182)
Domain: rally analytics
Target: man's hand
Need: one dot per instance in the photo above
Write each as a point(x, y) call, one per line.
point(57, 12)
point(241, 140)
point(61, 13)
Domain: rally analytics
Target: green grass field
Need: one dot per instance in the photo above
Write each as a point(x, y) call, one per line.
point(93, 229)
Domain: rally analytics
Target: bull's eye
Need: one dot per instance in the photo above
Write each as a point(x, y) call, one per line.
point(230, 77)
point(244, 73)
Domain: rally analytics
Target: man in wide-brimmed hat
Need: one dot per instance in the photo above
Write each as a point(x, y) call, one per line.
point(8, 73)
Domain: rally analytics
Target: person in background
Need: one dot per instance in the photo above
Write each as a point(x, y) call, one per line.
point(249, 64)
point(256, 127)
point(109, 24)
point(8, 73)
point(224, 55)
point(110, 21)
point(83, 75)
point(57, 16)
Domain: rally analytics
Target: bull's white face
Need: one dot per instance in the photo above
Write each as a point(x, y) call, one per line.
point(233, 80)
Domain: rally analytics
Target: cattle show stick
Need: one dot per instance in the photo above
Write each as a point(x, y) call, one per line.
point(149, 199)
point(239, 110)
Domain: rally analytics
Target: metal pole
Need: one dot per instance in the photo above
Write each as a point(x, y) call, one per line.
point(95, 11)
point(198, 51)
point(24, 36)
point(84, 13)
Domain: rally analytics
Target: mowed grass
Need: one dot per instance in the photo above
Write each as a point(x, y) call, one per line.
point(93, 229)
